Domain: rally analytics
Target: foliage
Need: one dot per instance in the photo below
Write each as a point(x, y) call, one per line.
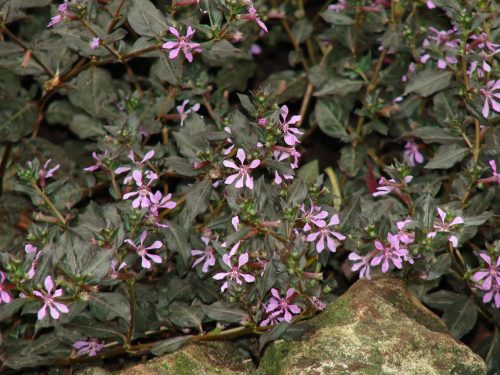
point(193, 220)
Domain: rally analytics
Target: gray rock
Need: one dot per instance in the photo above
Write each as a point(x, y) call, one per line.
point(376, 327)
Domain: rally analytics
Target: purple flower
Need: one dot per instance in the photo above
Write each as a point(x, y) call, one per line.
point(315, 215)
point(4, 296)
point(388, 186)
point(252, 15)
point(389, 253)
point(158, 201)
point(317, 303)
point(446, 227)
point(486, 278)
point(412, 155)
point(405, 237)
point(339, 6)
point(282, 308)
point(289, 132)
point(495, 178)
point(143, 251)
point(361, 264)
point(94, 43)
point(90, 347)
point(30, 249)
point(327, 235)
point(184, 113)
point(45, 172)
point(495, 291)
point(144, 194)
point(48, 300)
point(243, 175)
point(234, 274)
point(139, 164)
point(114, 272)
point(183, 44)
point(208, 255)
point(430, 4)
point(99, 161)
point(63, 12)
point(490, 97)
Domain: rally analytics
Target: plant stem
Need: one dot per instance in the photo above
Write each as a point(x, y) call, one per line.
point(131, 299)
point(20, 43)
point(51, 205)
point(110, 49)
point(3, 164)
point(116, 188)
point(115, 18)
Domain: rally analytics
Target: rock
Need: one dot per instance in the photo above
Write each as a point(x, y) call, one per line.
point(214, 358)
point(376, 327)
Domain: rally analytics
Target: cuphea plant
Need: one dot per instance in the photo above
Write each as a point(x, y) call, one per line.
point(152, 192)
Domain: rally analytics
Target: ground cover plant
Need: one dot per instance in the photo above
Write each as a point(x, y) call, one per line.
point(161, 182)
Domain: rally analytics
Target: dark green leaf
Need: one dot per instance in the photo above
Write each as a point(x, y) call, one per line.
point(170, 345)
point(447, 156)
point(428, 82)
point(333, 117)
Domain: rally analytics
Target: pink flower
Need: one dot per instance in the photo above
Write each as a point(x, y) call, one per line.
point(388, 186)
point(99, 161)
point(94, 43)
point(430, 4)
point(289, 132)
point(314, 215)
point(63, 12)
point(389, 253)
point(4, 296)
point(30, 249)
point(143, 251)
point(490, 96)
point(405, 237)
point(281, 153)
point(234, 274)
point(44, 173)
point(361, 264)
point(90, 347)
point(144, 194)
point(139, 164)
point(317, 303)
point(446, 227)
point(184, 113)
point(114, 272)
point(326, 234)
point(252, 15)
point(495, 291)
point(278, 179)
point(282, 308)
point(243, 175)
point(339, 6)
point(486, 278)
point(48, 300)
point(208, 255)
point(412, 155)
point(444, 44)
point(495, 178)
point(183, 44)
point(157, 202)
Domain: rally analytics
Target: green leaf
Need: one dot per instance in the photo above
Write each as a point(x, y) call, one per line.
point(17, 118)
point(339, 86)
point(302, 30)
point(185, 316)
point(94, 92)
point(9, 309)
point(221, 51)
point(107, 306)
point(460, 312)
point(433, 134)
point(333, 117)
point(197, 200)
point(273, 334)
point(168, 70)
point(428, 82)
point(337, 18)
point(447, 156)
point(146, 19)
point(224, 313)
point(170, 345)
point(351, 160)
point(177, 240)
point(309, 172)
point(439, 267)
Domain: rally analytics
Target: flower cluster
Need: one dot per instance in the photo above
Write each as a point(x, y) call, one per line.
point(488, 280)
